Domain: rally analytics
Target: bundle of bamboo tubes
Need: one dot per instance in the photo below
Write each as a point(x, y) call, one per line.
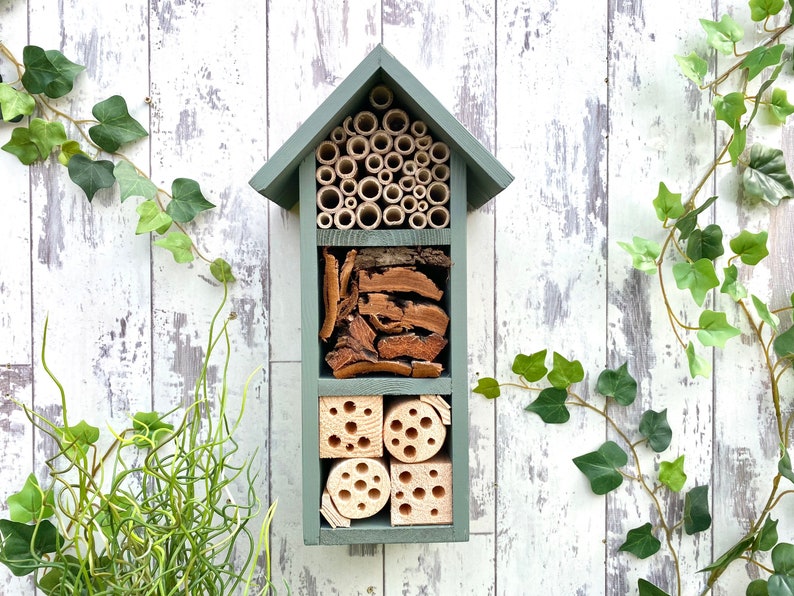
point(380, 168)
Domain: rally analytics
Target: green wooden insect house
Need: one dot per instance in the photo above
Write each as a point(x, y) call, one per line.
point(383, 175)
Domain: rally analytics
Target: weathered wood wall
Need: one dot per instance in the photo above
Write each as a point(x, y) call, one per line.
point(580, 100)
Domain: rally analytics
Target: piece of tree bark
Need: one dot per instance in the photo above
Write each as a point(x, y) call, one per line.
point(416, 314)
point(391, 256)
point(399, 279)
point(388, 366)
point(355, 344)
point(348, 304)
point(330, 294)
point(346, 271)
point(390, 328)
point(411, 345)
point(426, 370)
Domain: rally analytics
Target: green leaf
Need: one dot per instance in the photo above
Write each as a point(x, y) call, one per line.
point(729, 108)
point(81, 435)
point(116, 127)
point(565, 373)
point(618, 384)
point(749, 247)
point(601, 467)
point(738, 142)
point(757, 587)
point(784, 465)
point(767, 536)
point(698, 366)
point(779, 106)
point(132, 184)
point(687, 223)
point(486, 386)
point(532, 367)
point(784, 343)
point(783, 558)
point(761, 9)
point(21, 144)
point(762, 57)
point(550, 406)
point(696, 510)
point(48, 72)
point(90, 175)
point(731, 285)
point(693, 67)
point(722, 35)
point(46, 135)
point(767, 317)
point(186, 200)
point(698, 277)
point(643, 253)
point(179, 244)
point(761, 90)
point(641, 542)
point(14, 104)
point(728, 557)
point(671, 474)
point(152, 219)
point(150, 429)
point(668, 204)
point(715, 329)
point(222, 271)
point(781, 585)
point(68, 150)
point(31, 503)
point(654, 427)
point(766, 177)
point(648, 589)
point(705, 243)
point(23, 545)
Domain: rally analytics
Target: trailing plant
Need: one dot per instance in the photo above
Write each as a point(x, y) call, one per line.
point(692, 249)
point(159, 511)
point(44, 76)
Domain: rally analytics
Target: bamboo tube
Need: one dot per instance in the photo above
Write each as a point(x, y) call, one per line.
point(417, 220)
point(422, 206)
point(325, 175)
point(393, 215)
point(385, 176)
point(381, 97)
point(393, 161)
point(409, 168)
point(438, 193)
point(404, 144)
point(346, 167)
point(439, 152)
point(408, 203)
point(422, 158)
point(344, 219)
point(351, 203)
point(392, 193)
point(418, 129)
point(420, 191)
point(357, 147)
point(338, 135)
point(368, 215)
point(327, 153)
point(324, 220)
point(374, 163)
point(395, 122)
point(365, 123)
point(381, 142)
point(348, 186)
point(424, 143)
point(423, 176)
point(438, 217)
point(440, 172)
point(329, 198)
point(369, 189)
point(347, 126)
point(407, 183)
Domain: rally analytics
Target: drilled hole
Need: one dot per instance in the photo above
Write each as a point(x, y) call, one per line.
point(368, 412)
point(419, 493)
point(405, 477)
point(434, 512)
point(425, 422)
point(405, 509)
point(431, 441)
point(396, 425)
point(360, 485)
point(376, 479)
point(332, 411)
point(361, 507)
point(395, 442)
point(412, 412)
point(410, 452)
point(351, 428)
point(374, 494)
point(362, 468)
point(433, 473)
point(349, 447)
point(334, 441)
point(411, 433)
point(344, 495)
point(438, 492)
point(363, 443)
point(350, 407)
point(345, 476)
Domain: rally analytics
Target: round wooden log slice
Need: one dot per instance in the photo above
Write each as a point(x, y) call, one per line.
point(412, 430)
point(359, 487)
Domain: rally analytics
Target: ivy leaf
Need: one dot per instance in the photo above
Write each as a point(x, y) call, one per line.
point(648, 589)
point(31, 503)
point(722, 35)
point(705, 243)
point(68, 150)
point(729, 556)
point(671, 474)
point(738, 142)
point(784, 344)
point(486, 386)
point(779, 106)
point(116, 127)
point(565, 373)
point(532, 367)
point(784, 465)
point(186, 200)
point(150, 429)
point(222, 271)
point(760, 58)
point(693, 67)
point(757, 587)
point(780, 585)
point(643, 253)
point(696, 510)
point(729, 108)
point(22, 545)
point(641, 542)
point(618, 384)
point(48, 72)
point(668, 204)
point(132, 184)
point(783, 558)
point(698, 277)
point(655, 428)
point(14, 104)
point(749, 247)
point(763, 312)
point(731, 285)
point(152, 219)
point(698, 366)
point(761, 9)
point(688, 222)
point(91, 175)
point(46, 135)
point(715, 329)
point(601, 467)
point(550, 406)
point(21, 144)
point(767, 537)
point(766, 177)
point(179, 244)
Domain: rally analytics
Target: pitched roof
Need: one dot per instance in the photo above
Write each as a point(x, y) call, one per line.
point(278, 178)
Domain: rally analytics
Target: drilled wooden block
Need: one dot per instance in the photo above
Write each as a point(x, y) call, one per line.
point(359, 487)
point(412, 430)
point(351, 426)
point(421, 493)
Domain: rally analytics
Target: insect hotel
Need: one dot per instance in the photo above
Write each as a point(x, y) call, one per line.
point(383, 176)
